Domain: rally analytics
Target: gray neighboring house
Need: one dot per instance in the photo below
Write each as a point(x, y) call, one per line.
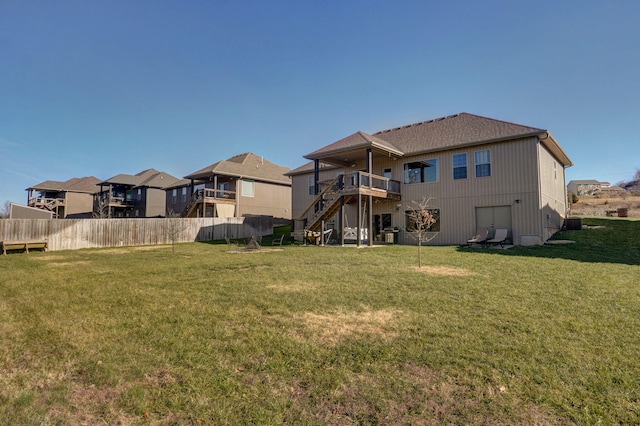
point(134, 196)
point(72, 199)
point(586, 187)
point(243, 185)
point(480, 172)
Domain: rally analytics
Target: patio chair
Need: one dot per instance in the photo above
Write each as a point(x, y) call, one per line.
point(481, 237)
point(501, 236)
point(278, 241)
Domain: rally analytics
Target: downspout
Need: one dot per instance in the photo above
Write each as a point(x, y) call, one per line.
point(370, 198)
point(539, 180)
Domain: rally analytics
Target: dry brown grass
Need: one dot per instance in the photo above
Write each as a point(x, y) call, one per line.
point(589, 205)
point(331, 329)
point(444, 270)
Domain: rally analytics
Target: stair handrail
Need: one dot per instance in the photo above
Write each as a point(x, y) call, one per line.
point(318, 198)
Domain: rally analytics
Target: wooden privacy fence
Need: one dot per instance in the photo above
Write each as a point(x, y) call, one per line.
point(69, 234)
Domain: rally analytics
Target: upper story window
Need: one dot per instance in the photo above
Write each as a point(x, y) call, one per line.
point(421, 171)
point(248, 188)
point(312, 185)
point(174, 195)
point(387, 173)
point(184, 194)
point(460, 166)
point(483, 163)
point(139, 194)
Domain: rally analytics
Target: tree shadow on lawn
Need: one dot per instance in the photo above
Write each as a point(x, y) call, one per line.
point(600, 241)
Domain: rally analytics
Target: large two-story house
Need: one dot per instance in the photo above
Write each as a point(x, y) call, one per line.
point(478, 172)
point(245, 184)
point(140, 195)
point(71, 199)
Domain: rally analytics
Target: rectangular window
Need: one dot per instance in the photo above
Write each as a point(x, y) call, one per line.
point(387, 173)
point(174, 196)
point(184, 194)
point(139, 194)
point(429, 222)
point(483, 163)
point(421, 171)
point(312, 185)
point(460, 166)
point(248, 188)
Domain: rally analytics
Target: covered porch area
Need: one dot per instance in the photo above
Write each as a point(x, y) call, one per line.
point(357, 187)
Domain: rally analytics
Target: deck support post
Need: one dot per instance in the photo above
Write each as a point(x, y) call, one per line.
point(341, 220)
point(370, 224)
point(322, 233)
point(359, 222)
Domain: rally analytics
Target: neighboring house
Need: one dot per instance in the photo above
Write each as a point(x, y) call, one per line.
point(243, 185)
point(16, 211)
point(586, 187)
point(66, 200)
point(480, 172)
point(140, 195)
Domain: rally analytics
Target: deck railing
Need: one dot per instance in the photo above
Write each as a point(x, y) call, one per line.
point(369, 180)
point(50, 203)
point(215, 193)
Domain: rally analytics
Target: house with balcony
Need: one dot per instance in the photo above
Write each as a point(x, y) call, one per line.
point(71, 199)
point(142, 195)
point(478, 172)
point(586, 187)
point(243, 185)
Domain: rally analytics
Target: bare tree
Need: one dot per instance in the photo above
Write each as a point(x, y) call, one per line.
point(423, 223)
point(176, 226)
point(5, 210)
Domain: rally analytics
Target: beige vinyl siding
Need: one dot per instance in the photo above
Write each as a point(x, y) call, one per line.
point(268, 199)
point(78, 203)
point(552, 192)
point(513, 177)
point(300, 189)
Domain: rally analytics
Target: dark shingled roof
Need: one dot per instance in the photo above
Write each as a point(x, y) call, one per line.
point(87, 184)
point(450, 132)
point(247, 165)
point(150, 178)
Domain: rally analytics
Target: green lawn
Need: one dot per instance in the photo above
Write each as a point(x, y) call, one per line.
point(325, 335)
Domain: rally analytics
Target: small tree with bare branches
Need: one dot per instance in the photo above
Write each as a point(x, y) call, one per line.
point(422, 223)
point(176, 226)
point(5, 210)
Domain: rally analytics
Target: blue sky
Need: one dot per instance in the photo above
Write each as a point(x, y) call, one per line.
point(107, 87)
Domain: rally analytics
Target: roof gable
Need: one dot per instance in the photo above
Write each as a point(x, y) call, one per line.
point(87, 184)
point(247, 165)
point(358, 140)
point(150, 177)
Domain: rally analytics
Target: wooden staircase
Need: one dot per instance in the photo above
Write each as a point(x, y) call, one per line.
point(326, 205)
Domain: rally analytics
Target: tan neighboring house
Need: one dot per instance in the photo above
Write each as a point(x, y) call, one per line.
point(480, 173)
point(242, 185)
point(66, 200)
point(134, 196)
point(586, 187)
